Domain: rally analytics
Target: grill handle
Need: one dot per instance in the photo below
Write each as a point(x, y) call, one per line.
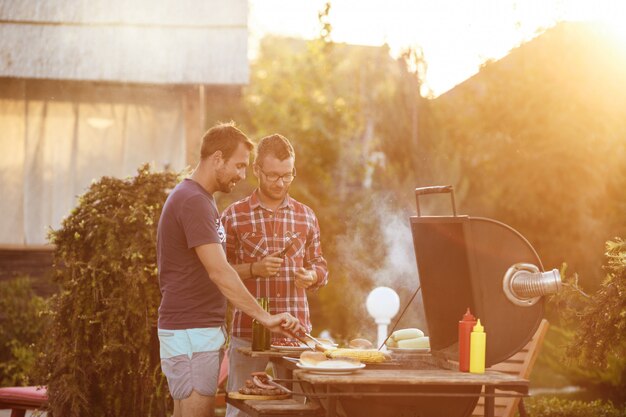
point(524, 284)
point(436, 189)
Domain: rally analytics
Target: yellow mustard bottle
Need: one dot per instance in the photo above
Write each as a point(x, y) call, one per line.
point(478, 344)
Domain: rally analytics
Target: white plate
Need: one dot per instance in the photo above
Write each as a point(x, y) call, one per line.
point(300, 348)
point(330, 371)
point(409, 350)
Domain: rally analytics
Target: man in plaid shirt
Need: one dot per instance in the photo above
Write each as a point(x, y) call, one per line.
point(258, 228)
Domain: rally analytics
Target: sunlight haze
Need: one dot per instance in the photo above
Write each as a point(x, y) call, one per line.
point(456, 36)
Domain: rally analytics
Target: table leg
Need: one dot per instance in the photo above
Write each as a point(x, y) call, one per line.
point(331, 411)
point(282, 372)
point(489, 401)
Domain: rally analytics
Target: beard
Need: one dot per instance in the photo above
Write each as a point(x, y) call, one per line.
point(273, 191)
point(226, 183)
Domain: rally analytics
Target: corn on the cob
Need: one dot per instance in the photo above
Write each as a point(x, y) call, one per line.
point(363, 355)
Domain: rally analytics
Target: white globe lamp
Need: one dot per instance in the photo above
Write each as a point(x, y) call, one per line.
point(382, 304)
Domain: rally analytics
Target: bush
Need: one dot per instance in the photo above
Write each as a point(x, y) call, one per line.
point(602, 323)
point(20, 326)
point(97, 358)
point(596, 341)
point(556, 407)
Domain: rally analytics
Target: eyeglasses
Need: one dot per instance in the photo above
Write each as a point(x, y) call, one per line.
point(287, 178)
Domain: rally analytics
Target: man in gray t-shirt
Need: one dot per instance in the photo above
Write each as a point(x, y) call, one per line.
point(190, 218)
point(196, 279)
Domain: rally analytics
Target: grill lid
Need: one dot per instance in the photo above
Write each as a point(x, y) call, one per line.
point(462, 262)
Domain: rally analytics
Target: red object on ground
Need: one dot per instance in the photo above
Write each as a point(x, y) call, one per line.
point(221, 379)
point(465, 330)
point(20, 399)
point(220, 397)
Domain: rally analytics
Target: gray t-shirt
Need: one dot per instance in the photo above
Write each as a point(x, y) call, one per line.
point(190, 299)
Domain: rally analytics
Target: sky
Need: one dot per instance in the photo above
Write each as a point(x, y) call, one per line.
point(457, 36)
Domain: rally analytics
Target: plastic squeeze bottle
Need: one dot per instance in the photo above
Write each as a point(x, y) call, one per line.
point(478, 343)
point(465, 329)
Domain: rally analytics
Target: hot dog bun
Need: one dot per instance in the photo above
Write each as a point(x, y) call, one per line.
point(361, 344)
point(310, 358)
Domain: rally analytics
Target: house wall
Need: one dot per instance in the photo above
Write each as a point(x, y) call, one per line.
point(99, 87)
point(164, 42)
point(57, 137)
point(34, 262)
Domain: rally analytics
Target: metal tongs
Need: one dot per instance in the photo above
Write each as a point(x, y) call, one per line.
point(271, 381)
point(314, 339)
point(262, 379)
point(323, 346)
point(299, 339)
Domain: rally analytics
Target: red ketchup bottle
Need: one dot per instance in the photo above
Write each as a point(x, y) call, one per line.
point(465, 330)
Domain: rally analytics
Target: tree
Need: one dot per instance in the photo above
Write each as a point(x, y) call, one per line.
point(600, 323)
point(540, 135)
point(20, 327)
point(339, 105)
point(98, 355)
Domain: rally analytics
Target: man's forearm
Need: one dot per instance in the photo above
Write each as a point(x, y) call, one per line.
point(226, 278)
point(245, 271)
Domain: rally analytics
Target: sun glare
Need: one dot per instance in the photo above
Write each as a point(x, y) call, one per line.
point(617, 27)
point(457, 36)
point(608, 13)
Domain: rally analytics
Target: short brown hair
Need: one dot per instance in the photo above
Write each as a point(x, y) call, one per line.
point(276, 145)
point(224, 137)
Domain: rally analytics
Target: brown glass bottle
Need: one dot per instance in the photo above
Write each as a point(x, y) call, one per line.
point(258, 332)
point(267, 335)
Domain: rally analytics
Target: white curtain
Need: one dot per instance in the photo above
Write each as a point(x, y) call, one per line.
point(52, 148)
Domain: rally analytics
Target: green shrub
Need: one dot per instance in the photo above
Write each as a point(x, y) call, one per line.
point(602, 323)
point(97, 358)
point(593, 330)
point(556, 407)
point(20, 326)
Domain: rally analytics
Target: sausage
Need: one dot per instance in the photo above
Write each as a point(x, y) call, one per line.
point(259, 391)
point(257, 381)
point(259, 385)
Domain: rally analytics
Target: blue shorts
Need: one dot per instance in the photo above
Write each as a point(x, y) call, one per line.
point(190, 360)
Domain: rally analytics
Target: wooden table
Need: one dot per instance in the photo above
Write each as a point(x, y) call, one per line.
point(395, 383)
point(394, 386)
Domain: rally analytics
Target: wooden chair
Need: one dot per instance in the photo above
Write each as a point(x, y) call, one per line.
point(520, 364)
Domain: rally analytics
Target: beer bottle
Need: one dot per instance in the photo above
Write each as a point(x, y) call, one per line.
point(258, 332)
point(267, 335)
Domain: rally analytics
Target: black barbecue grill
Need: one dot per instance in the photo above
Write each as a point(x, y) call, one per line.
point(482, 264)
point(465, 262)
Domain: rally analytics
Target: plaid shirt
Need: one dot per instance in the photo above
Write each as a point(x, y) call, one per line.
point(253, 232)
